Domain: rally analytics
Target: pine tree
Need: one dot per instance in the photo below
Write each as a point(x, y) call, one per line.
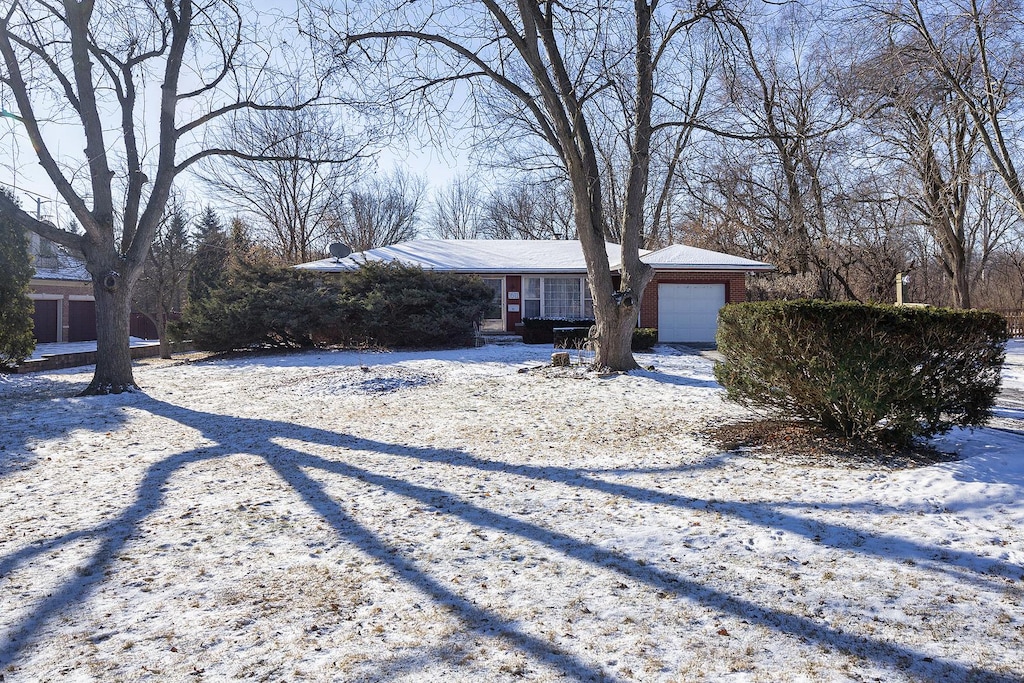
point(211, 257)
point(16, 338)
point(160, 292)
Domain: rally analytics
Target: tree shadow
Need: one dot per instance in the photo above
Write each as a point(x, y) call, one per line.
point(36, 408)
point(678, 380)
point(294, 466)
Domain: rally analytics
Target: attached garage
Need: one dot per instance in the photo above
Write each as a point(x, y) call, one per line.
point(689, 312)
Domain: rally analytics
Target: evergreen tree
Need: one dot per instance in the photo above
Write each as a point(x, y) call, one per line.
point(211, 258)
point(160, 292)
point(16, 339)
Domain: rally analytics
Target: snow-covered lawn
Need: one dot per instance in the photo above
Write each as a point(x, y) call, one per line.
point(441, 517)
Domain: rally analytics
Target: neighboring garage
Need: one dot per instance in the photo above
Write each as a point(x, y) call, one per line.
point(61, 290)
point(689, 312)
point(81, 320)
point(46, 320)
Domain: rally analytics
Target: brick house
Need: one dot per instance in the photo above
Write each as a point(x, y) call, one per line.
point(548, 279)
point(61, 291)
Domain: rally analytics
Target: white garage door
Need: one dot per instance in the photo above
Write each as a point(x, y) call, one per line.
point(689, 313)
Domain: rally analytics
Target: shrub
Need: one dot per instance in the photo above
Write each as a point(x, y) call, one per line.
point(378, 304)
point(863, 370)
point(257, 305)
point(644, 338)
point(393, 305)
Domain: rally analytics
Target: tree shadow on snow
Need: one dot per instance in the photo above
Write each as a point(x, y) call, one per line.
point(35, 408)
point(294, 466)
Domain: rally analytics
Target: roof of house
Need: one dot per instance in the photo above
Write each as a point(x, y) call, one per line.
point(525, 256)
point(62, 267)
point(682, 257)
point(474, 256)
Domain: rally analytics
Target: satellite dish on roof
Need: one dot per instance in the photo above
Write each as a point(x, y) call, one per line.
point(339, 250)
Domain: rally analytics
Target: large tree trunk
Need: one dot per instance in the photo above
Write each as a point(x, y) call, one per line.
point(955, 262)
point(113, 353)
point(615, 325)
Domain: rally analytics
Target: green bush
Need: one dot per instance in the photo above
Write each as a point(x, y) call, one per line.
point(863, 370)
point(256, 306)
point(379, 304)
point(392, 305)
point(644, 338)
point(16, 329)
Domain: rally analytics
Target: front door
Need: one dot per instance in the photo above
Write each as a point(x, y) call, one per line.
point(494, 316)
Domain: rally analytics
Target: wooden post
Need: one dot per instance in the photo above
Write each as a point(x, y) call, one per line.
point(899, 288)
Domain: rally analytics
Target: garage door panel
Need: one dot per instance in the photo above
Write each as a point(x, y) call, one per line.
point(45, 321)
point(82, 321)
point(689, 313)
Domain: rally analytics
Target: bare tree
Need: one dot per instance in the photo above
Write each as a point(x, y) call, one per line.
point(976, 49)
point(294, 197)
point(94, 63)
point(542, 69)
point(529, 209)
point(924, 125)
point(381, 211)
point(457, 212)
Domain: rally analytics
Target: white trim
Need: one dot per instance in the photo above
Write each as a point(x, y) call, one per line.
point(81, 297)
point(46, 297)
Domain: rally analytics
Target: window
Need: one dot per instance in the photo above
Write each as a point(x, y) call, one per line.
point(562, 297)
point(531, 297)
point(557, 297)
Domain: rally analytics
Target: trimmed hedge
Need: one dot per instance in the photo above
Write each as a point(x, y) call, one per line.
point(541, 330)
point(570, 337)
point(863, 370)
point(644, 338)
point(386, 305)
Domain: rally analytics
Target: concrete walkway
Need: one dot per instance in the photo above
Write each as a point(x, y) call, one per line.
point(69, 348)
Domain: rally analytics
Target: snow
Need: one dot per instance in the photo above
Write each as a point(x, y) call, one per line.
point(680, 256)
point(440, 516)
point(474, 256)
point(527, 256)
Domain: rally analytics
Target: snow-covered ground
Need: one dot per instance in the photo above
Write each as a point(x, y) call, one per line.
point(338, 516)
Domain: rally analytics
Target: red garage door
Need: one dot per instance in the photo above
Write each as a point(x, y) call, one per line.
point(82, 321)
point(44, 320)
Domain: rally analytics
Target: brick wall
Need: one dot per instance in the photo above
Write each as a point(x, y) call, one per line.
point(735, 289)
